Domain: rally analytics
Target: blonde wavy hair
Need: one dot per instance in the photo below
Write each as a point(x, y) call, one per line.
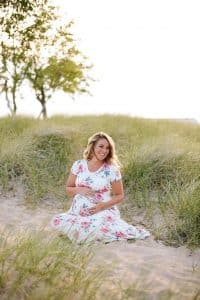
point(111, 158)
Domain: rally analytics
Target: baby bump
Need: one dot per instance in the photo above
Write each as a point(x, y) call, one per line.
point(80, 205)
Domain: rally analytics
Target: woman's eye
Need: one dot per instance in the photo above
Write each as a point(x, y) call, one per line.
point(101, 146)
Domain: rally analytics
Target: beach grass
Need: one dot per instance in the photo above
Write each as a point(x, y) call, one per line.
point(37, 265)
point(160, 158)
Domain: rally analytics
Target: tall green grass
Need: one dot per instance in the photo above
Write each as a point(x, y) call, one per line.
point(161, 165)
point(34, 265)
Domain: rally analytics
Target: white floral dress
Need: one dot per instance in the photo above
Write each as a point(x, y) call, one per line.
point(105, 225)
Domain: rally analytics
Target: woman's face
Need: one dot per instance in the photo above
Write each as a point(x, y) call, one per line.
point(101, 149)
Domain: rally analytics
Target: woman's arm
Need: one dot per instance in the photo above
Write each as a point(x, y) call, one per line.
point(118, 196)
point(72, 189)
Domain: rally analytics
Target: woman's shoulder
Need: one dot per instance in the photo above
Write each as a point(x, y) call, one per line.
point(111, 166)
point(78, 166)
point(79, 161)
point(113, 171)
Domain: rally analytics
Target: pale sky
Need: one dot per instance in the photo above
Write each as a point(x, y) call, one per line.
point(146, 57)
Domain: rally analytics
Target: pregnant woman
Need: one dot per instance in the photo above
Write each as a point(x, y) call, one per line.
point(95, 184)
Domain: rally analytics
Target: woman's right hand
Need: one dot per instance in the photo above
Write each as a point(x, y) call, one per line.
point(86, 191)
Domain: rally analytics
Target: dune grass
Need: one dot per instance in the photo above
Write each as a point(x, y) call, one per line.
point(39, 265)
point(161, 165)
point(34, 265)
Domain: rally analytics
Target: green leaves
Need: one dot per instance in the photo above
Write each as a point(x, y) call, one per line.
point(41, 50)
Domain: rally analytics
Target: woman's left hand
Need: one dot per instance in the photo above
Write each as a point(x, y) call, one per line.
point(95, 209)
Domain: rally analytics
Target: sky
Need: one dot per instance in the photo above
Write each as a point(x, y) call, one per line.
point(146, 57)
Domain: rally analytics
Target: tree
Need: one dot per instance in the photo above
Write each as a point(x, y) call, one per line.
point(19, 5)
point(59, 74)
point(14, 45)
point(65, 68)
point(42, 51)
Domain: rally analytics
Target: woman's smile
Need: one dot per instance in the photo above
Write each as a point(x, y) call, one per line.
point(101, 149)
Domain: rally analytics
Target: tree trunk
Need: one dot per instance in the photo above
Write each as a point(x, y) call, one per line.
point(42, 99)
point(44, 110)
point(14, 112)
point(13, 108)
point(5, 89)
point(15, 80)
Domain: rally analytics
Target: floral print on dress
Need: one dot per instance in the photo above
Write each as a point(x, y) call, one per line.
point(106, 225)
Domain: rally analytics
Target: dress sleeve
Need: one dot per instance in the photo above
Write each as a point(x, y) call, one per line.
point(115, 174)
point(75, 169)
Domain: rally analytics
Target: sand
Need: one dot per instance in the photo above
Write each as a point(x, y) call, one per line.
point(148, 266)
